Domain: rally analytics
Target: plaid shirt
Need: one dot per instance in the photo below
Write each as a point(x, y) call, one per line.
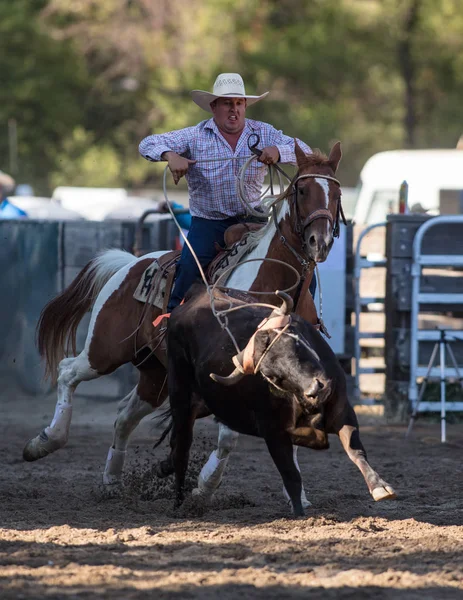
point(212, 185)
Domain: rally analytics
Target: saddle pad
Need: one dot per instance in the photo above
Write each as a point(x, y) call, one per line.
point(152, 287)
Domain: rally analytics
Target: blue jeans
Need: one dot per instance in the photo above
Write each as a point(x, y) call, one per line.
point(203, 235)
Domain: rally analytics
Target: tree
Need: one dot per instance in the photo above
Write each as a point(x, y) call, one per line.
point(42, 91)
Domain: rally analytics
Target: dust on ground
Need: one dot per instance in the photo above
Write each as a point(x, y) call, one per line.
point(62, 536)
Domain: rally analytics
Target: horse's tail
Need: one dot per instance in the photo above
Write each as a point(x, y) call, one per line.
point(59, 319)
point(161, 419)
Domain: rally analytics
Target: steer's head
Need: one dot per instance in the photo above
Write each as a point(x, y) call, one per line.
point(293, 366)
point(280, 352)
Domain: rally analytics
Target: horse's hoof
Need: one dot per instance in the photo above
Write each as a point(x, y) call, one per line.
point(29, 452)
point(385, 492)
point(203, 494)
point(298, 513)
point(164, 469)
point(111, 491)
point(39, 447)
point(112, 481)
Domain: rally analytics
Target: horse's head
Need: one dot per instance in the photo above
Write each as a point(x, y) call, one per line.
point(317, 201)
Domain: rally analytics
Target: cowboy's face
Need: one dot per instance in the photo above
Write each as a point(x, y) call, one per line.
point(229, 114)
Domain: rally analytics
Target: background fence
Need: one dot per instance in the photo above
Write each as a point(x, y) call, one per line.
point(40, 258)
point(445, 282)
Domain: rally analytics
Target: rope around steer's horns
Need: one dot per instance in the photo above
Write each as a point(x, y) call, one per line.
point(279, 319)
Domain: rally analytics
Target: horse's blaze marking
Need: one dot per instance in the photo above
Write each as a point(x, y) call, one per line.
point(325, 185)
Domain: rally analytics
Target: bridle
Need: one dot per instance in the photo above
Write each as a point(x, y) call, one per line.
point(300, 226)
point(319, 213)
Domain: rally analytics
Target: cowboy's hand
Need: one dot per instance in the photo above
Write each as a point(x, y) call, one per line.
point(270, 155)
point(177, 164)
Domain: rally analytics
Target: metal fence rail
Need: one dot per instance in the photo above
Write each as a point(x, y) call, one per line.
point(361, 303)
point(419, 299)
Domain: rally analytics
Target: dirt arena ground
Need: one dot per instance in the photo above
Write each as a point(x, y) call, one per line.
point(61, 537)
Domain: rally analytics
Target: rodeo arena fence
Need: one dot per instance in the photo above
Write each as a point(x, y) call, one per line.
point(419, 295)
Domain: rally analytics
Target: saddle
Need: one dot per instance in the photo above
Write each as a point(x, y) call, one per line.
point(234, 233)
point(157, 281)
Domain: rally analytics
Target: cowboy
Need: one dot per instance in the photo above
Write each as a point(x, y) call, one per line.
point(198, 153)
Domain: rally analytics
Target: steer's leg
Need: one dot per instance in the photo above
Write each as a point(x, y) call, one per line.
point(281, 450)
point(166, 466)
point(348, 431)
point(183, 419)
point(304, 500)
point(211, 474)
point(71, 372)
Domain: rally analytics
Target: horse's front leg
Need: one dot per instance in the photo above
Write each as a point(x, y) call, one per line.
point(150, 393)
point(348, 431)
point(211, 474)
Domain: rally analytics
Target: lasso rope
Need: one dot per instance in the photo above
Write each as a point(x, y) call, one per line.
point(221, 315)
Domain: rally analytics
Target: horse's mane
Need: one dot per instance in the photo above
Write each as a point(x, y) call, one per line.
point(316, 159)
point(254, 237)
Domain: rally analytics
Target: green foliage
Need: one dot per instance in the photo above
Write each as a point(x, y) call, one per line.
point(42, 86)
point(86, 80)
point(85, 163)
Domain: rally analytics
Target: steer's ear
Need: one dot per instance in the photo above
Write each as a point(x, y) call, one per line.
point(261, 343)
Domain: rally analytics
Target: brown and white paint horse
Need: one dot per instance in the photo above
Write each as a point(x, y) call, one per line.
point(120, 331)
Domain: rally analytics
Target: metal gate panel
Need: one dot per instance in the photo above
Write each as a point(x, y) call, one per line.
point(439, 257)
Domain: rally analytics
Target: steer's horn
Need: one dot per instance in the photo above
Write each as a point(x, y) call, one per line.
point(287, 305)
point(234, 377)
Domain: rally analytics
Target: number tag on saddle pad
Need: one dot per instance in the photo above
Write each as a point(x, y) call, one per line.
point(156, 283)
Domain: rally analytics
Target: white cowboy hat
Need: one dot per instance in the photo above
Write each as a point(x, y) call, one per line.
point(226, 84)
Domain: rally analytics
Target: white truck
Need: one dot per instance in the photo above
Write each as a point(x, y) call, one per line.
point(434, 177)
